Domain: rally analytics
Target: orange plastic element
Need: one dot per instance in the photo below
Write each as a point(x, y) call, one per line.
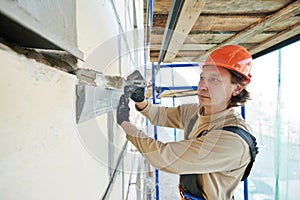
point(232, 57)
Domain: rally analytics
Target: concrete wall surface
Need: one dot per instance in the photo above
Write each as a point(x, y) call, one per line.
point(107, 36)
point(56, 16)
point(44, 154)
point(41, 153)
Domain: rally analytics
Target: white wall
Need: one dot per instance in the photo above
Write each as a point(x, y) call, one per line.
point(44, 154)
point(41, 155)
point(104, 42)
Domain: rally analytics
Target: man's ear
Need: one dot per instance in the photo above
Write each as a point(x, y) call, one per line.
point(238, 89)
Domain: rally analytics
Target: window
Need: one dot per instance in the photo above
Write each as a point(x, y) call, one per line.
point(274, 115)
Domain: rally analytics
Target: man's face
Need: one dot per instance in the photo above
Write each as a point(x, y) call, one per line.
point(215, 89)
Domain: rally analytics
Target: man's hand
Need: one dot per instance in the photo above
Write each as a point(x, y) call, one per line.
point(123, 110)
point(136, 93)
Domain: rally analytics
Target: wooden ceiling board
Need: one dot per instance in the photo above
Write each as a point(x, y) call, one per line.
point(186, 47)
point(228, 6)
point(214, 22)
point(275, 39)
point(256, 25)
point(188, 16)
point(244, 6)
point(202, 38)
point(177, 93)
point(203, 45)
point(207, 38)
point(283, 24)
point(218, 38)
point(224, 23)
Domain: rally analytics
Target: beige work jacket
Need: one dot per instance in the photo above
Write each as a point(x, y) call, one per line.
point(219, 157)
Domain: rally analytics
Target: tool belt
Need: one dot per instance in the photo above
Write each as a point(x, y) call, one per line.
point(186, 196)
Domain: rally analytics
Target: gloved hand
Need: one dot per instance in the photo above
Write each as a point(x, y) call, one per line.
point(136, 93)
point(123, 110)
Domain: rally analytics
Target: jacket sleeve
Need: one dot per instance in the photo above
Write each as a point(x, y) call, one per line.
point(216, 152)
point(164, 116)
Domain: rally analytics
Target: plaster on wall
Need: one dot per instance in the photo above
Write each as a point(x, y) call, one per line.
point(41, 155)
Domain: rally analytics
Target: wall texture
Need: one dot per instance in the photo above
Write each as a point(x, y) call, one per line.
point(44, 154)
point(41, 155)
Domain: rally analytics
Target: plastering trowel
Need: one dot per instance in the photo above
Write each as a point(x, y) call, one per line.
point(98, 94)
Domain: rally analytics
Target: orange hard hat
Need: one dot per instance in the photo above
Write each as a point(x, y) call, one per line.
point(233, 57)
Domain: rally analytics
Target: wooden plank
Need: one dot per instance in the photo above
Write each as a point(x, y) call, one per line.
point(186, 47)
point(231, 6)
point(214, 22)
point(275, 39)
point(196, 38)
point(280, 26)
point(244, 6)
point(182, 56)
point(161, 6)
point(224, 23)
point(160, 20)
point(180, 53)
point(176, 59)
point(177, 93)
point(174, 14)
point(190, 53)
point(211, 38)
point(189, 14)
point(154, 54)
point(257, 27)
point(218, 38)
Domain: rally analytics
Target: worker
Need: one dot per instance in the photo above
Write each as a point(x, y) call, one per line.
point(211, 160)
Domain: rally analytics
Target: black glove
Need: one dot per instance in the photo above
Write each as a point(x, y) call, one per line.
point(123, 110)
point(136, 93)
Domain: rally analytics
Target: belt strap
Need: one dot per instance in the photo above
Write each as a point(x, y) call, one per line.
point(186, 196)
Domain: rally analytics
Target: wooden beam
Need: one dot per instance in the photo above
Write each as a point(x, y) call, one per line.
point(177, 93)
point(176, 59)
point(255, 28)
point(189, 14)
point(221, 6)
point(275, 39)
point(211, 38)
point(182, 56)
point(196, 38)
point(244, 6)
point(228, 22)
point(284, 24)
point(176, 7)
point(186, 47)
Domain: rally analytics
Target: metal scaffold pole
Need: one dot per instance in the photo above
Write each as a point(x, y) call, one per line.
point(155, 130)
point(245, 181)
